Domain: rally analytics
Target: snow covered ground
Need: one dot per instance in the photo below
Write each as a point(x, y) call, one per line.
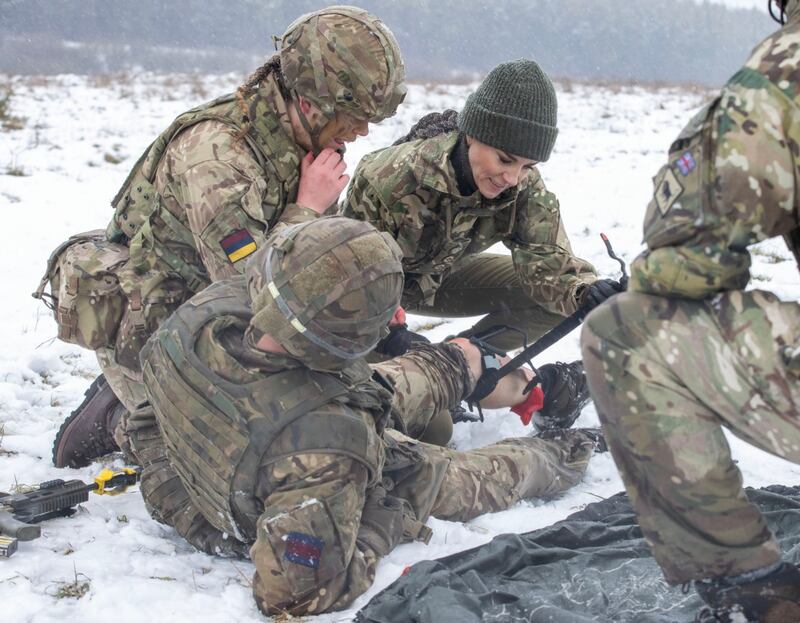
point(57, 174)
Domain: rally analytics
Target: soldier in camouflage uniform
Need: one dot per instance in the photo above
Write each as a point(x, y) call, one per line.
point(274, 432)
point(458, 184)
point(211, 188)
point(689, 351)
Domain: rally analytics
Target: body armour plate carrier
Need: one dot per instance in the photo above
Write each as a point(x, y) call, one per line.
point(219, 433)
point(137, 206)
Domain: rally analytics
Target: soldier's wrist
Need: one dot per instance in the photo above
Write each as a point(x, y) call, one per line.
point(297, 213)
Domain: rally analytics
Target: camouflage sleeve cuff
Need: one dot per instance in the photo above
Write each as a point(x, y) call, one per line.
point(688, 272)
point(579, 286)
point(294, 213)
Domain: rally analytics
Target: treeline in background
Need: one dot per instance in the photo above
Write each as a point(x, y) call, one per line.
point(629, 40)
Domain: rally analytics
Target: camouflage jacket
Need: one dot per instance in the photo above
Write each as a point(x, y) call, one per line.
point(731, 179)
point(203, 197)
point(410, 191)
point(285, 459)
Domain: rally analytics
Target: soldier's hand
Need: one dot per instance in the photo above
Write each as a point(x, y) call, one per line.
point(322, 179)
point(595, 293)
point(399, 341)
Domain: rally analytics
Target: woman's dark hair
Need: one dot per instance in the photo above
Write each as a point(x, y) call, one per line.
point(432, 124)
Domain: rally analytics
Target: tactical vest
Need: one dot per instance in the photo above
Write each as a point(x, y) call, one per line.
point(138, 213)
point(219, 433)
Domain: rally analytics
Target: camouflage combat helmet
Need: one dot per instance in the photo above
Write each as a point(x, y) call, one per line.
point(325, 290)
point(343, 58)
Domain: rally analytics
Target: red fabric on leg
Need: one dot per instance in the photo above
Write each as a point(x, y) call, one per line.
point(533, 403)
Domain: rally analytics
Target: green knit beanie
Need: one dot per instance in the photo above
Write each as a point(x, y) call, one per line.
point(514, 109)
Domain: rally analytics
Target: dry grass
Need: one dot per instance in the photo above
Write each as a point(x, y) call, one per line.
point(3, 451)
point(770, 257)
point(427, 326)
point(569, 85)
point(8, 121)
point(21, 487)
point(75, 589)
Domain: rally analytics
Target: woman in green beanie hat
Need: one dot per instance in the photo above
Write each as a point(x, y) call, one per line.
point(459, 183)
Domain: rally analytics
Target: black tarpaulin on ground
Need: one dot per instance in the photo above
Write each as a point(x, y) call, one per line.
point(592, 566)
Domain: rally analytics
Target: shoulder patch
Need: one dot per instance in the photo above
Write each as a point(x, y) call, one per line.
point(238, 245)
point(686, 163)
point(303, 549)
point(667, 191)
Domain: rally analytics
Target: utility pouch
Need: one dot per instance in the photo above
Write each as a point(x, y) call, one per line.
point(148, 307)
point(412, 474)
point(310, 544)
point(382, 522)
point(133, 205)
point(85, 293)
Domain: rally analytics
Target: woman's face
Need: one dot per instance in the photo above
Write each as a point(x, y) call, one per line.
point(495, 170)
point(342, 129)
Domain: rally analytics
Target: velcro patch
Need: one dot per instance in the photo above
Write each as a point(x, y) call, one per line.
point(667, 191)
point(303, 549)
point(238, 245)
point(686, 163)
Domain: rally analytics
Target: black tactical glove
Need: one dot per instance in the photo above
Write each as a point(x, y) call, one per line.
point(399, 340)
point(595, 293)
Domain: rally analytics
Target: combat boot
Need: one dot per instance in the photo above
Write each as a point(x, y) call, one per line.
point(565, 394)
point(775, 598)
point(88, 432)
point(595, 435)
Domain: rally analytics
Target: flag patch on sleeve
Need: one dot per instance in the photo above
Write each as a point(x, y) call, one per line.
point(238, 245)
point(686, 163)
point(303, 549)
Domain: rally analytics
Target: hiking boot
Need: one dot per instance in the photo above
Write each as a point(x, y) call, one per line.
point(88, 432)
point(775, 598)
point(565, 394)
point(560, 434)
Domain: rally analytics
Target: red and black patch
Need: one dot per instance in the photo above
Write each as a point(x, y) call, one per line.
point(303, 549)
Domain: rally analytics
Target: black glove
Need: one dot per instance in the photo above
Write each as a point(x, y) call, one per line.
point(595, 293)
point(399, 340)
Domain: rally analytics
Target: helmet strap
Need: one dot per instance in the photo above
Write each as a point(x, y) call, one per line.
point(312, 133)
point(778, 13)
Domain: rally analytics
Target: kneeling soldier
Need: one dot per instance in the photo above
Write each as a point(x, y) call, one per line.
point(689, 350)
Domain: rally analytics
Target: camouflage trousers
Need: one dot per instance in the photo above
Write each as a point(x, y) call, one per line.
point(128, 387)
point(488, 284)
point(666, 375)
point(126, 383)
